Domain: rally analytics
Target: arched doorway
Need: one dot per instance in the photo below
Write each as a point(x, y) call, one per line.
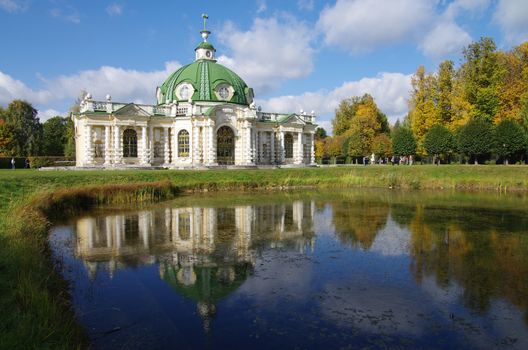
point(129, 143)
point(225, 146)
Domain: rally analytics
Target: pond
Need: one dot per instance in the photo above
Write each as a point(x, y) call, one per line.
point(348, 269)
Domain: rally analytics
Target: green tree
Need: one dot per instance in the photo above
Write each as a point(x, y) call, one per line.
point(55, 136)
point(69, 147)
point(480, 75)
point(509, 139)
point(403, 142)
point(439, 141)
point(22, 119)
point(320, 133)
point(475, 139)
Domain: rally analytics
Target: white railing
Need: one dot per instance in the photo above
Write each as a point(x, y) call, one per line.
point(182, 110)
point(267, 116)
point(161, 110)
point(99, 106)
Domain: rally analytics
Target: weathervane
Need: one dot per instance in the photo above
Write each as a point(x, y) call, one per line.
point(205, 32)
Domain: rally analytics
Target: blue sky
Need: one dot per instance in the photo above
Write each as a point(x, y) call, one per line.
point(296, 54)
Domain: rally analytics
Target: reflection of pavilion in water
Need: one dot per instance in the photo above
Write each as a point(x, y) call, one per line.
point(204, 253)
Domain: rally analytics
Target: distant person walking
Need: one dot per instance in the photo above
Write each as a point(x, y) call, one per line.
point(26, 165)
point(13, 163)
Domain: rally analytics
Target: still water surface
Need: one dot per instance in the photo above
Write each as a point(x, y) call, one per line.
point(302, 270)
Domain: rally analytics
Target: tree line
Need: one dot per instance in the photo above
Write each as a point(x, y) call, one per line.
point(477, 112)
point(23, 135)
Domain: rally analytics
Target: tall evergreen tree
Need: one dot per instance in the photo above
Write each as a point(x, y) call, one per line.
point(55, 136)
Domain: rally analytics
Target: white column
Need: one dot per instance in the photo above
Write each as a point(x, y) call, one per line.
point(143, 156)
point(196, 145)
point(299, 148)
point(208, 144)
point(107, 146)
point(151, 144)
point(258, 148)
point(312, 149)
point(166, 150)
point(251, 144)
point(272, 147)
point(281, 150)
point(191, 144)
point(117, 145)
point(89, 152)
point(174, 148)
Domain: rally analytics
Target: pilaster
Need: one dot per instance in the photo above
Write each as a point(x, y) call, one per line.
point(166, 150)
point(107, 146)
point(312, 149)
point(117, 145)
point(89, 151)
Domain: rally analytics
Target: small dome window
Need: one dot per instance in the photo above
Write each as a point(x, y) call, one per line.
point(184, 91)
point(224, 92)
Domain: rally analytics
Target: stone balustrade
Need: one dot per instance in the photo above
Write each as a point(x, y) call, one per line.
point(111, 107)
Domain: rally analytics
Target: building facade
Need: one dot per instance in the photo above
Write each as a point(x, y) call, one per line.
point(205, 116)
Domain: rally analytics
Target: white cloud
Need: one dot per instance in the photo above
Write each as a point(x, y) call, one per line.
point(114, 9)
point(446, 38)
point(362, 25)
point(44, 115)
point(390, 90)
point(306, 5)
point(512, 17)
point(13, 6)
point(124, 85)
point(471, 6)
point(11, 89)
point(273, 50)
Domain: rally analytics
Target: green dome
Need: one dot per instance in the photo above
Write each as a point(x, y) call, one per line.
point(205, 45)
point(210, 82)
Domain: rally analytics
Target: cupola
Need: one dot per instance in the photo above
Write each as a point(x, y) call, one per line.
point(205, 50)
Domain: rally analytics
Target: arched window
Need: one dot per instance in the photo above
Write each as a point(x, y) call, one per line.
point(288, 146)
point(225, 146)
point(183, 143)
point(129, 143)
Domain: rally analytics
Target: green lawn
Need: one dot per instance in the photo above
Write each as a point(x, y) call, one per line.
point(32, 294)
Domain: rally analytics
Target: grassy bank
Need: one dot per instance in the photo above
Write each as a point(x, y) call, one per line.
point(32, 294)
